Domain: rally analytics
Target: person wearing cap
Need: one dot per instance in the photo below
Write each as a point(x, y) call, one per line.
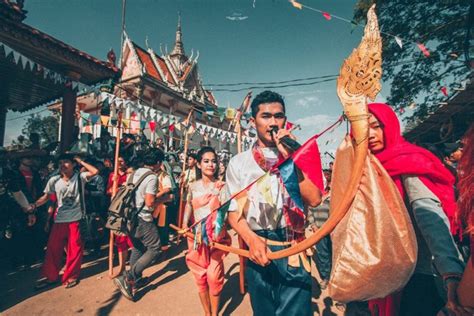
point(65, 191)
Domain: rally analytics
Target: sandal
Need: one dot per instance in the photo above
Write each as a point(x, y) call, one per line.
point(71, 283)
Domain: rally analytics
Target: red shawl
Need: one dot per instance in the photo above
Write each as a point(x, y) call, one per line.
point(400, 157)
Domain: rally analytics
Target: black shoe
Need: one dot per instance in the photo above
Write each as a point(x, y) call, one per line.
point(142, 282)
point(124, 286)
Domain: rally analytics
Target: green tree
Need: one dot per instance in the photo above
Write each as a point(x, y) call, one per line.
point(47, 127)
point(444, 27)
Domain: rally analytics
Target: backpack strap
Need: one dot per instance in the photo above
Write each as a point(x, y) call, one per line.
point(81, 196)
point(142, 178)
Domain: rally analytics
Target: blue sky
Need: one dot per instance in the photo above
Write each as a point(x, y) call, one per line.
point(275, 43)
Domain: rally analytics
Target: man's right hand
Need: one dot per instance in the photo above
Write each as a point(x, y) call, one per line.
point(258, 251)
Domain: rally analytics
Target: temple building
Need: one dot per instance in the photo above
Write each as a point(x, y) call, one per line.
point(165, 83)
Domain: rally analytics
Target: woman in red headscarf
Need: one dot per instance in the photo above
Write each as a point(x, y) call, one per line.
point(428, 190)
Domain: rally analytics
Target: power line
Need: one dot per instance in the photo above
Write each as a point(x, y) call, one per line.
point(273, 87)
point(271, 82)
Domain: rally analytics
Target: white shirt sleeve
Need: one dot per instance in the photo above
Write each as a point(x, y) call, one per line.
point(166, 182)
point(151, 184)
point(232, 184)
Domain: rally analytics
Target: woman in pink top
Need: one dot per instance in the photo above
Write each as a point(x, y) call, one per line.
point(204, 262)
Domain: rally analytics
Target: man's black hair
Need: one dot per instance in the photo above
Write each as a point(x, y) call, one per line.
point(193, 155)
point(152, 156)
point(266, 97)
point(66, 156)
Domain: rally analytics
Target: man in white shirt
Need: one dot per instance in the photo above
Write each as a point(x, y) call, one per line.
point(145, 238)
point(275, 288)
point(66, 191)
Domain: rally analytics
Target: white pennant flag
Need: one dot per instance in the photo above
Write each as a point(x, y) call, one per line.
point(399, 41)
point(8, 50)
point(16, 57)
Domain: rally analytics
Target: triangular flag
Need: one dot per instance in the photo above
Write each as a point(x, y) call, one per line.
point(104, 119)
point(152, 125)
point(94, 118)
point(171, 127)
point(425, 51)
point(264, 187)
point(399, 41)
point(296, 4)
point(142, 124)
point(444, 90)
point(126, 123)
point(327, 16)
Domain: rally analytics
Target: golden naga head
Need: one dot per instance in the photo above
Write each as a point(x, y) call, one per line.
point(361, 72)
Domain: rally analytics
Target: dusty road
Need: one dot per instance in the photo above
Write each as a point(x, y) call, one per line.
point(171, 292)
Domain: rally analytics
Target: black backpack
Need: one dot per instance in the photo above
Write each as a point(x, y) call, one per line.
point(122, 210)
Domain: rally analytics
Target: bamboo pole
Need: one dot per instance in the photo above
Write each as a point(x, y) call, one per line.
point(185, 180)
point(242, 260)
point(114, 190)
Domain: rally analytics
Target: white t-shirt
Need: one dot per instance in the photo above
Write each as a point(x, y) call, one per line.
point(148, 186)
point(243, 170)
point(67, 196)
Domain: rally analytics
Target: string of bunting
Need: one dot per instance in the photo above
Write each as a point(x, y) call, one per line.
point(138, 118)
point(29, 65)
point(398, 39)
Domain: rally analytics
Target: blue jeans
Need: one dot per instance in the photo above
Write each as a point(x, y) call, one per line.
point(146, 246)
point(278, 289)
point(323, 257)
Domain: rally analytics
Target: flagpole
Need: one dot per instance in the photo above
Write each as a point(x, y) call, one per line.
point(185, 180)
point(114, 189)
point(242, 260)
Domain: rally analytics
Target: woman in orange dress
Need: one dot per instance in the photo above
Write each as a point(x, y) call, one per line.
point(205, 263)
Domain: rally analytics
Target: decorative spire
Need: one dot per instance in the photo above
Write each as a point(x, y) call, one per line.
point(178, 46)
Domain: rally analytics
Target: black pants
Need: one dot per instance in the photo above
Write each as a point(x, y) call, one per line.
point(421, 297)
point(146, 246)
point(278, 289)
point(323, 257)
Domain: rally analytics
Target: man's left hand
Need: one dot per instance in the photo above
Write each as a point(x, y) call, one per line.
point(452, 306)
point(284, 151)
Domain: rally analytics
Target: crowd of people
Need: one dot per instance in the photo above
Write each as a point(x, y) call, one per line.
point(45, 200)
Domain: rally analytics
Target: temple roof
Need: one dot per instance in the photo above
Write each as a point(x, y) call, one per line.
point(175, 70)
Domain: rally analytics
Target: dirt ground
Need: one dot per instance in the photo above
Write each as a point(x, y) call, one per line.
point(171, 291)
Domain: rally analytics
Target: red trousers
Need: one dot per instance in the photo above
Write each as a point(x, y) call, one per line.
point(62, 235)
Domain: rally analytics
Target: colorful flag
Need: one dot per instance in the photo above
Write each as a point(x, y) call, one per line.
point(424, 50)
point(152, 125)
point(104, 119)
point(444, 90)
point(399, 41)
point(296, 4)
point(308, 161)
point(171, 128)
point(327, 16)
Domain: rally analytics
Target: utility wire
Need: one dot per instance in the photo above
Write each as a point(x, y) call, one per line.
point(271, 82)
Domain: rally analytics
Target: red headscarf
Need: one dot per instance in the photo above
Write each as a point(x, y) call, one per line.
point(400, 157)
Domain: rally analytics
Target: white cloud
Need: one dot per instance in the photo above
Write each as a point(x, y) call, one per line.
point(309, 101)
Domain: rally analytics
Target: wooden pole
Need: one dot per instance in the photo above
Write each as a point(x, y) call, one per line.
point(183, 183)
point(241, 241)
point(185, 180)
point(114, 189)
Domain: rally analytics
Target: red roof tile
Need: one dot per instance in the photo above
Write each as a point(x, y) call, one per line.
point(186, 72)
point(164, 68)
point(210, 97)
point(146, 60)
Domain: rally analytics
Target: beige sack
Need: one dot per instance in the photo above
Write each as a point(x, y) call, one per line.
point(374, 246)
